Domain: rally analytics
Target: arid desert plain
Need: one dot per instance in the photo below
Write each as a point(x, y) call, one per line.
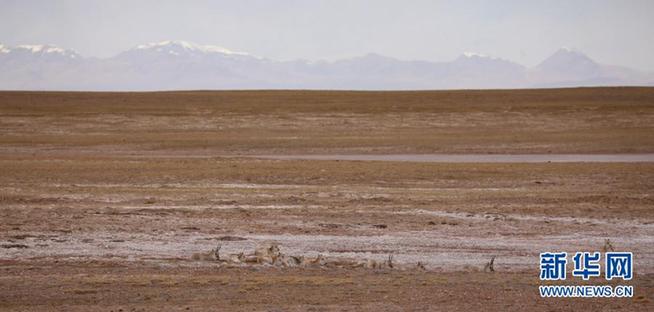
point(373, 201)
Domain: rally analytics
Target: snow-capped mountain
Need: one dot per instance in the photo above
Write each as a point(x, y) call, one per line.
point(169, 65)
point(38, 67)
point(180, 50)
point(38, 52)
point(185, 65)
point(177, 48)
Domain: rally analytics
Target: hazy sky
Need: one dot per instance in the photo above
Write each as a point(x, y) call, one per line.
point(613, 32)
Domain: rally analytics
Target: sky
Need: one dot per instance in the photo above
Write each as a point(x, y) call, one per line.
point(611, 32)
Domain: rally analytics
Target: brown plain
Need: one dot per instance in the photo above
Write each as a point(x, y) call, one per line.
point(105, 197)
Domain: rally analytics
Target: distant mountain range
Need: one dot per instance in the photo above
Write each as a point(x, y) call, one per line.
point(180, 65)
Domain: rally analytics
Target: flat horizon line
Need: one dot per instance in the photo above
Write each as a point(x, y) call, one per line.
point(327, 90)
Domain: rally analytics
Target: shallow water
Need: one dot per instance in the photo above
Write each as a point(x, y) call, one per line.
point(475, 158)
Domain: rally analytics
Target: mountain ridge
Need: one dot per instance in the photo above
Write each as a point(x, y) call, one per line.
point(177, 64)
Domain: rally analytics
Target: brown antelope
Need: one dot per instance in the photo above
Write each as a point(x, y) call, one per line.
point(236, 258)
point(373, 264)
point(267, 253)
point(214, 255)
point(206, 256)
point(289, 261)
point(308, 262)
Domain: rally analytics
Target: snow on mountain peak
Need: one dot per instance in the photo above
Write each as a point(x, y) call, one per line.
point(177, 46)
point(478, 55)
point(570, 51)
point(474, 54)
point(32, 48)
point(168, 43)
point(45, 49)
